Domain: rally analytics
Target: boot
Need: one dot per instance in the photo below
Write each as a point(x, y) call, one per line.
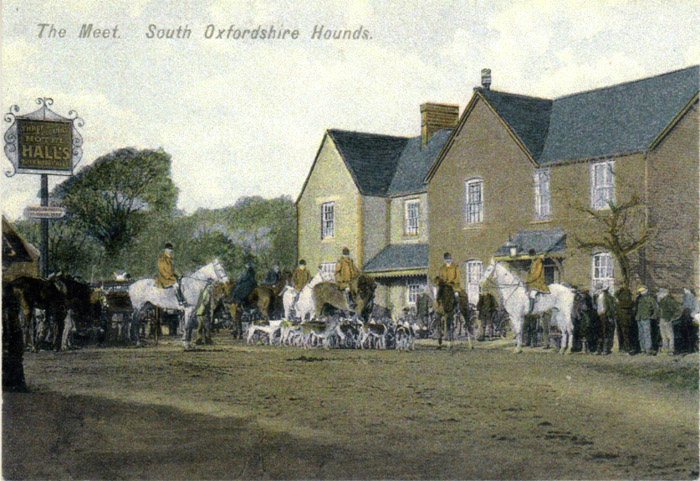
point(180, 297)
point(348, 299)
point(532, 305)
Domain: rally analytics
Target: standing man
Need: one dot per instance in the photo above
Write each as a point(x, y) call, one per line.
point(166, 273)
point(535, 279)
point(670, 311)
point(345, 272)
point(203, 311)
point(624, 318)
point(647, 312)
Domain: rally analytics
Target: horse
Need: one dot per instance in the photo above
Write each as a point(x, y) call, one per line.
point(327, 294)
point(305, 302)
point(36, 295)
point(514, 298)
point(144, 294)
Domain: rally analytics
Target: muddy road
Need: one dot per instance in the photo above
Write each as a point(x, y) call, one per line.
point(233, 411)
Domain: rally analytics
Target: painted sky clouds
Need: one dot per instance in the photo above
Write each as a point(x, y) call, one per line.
point(246, 117)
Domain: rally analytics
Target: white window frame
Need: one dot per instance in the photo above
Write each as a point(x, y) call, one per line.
point(327, 220)
point(328, 270)
point(411, 223)
point(473, 269)
point(602, 184)
point(474, 210)
point(602, 271)
point(543, 197)
point(414, 288)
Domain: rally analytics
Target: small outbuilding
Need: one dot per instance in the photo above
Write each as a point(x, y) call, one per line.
point(19, 257)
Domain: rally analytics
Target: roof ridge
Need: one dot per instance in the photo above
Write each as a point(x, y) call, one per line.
point(629, 82)
point(529, 97)
point(368, 133)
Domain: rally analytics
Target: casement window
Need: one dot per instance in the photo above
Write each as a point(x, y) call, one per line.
point(542, 196)
point(475, 201)
point(474, 270)
point(413, 289)
point(411, 216)
point(602, 271)
point(328, 270)
point(327, 220)
point(602, 184)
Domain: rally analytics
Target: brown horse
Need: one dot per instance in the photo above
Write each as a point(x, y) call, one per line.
point(327, 294)
point(267, 300)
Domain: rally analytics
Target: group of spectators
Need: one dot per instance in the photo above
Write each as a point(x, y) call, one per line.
point(645, 323)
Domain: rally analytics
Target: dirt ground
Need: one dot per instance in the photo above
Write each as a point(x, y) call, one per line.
point(233, 411)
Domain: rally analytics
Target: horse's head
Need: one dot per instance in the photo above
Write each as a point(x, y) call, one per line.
point(489, 271)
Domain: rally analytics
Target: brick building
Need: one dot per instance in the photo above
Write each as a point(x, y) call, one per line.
point(523, 169)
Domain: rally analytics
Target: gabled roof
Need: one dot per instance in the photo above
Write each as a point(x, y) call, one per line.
point(399, 257)
point(371, 158)
point(613, 120)
point(383, 165)
point(14, 247)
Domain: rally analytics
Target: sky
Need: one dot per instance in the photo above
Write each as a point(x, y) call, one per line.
point(246, 117)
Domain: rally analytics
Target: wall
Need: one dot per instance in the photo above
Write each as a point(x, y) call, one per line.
point(330, 180)
point(374, 220)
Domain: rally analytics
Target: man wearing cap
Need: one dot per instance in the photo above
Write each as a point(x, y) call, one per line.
point(345, 272)
point(535, 279)
point(670, 311)
point(647, 311)
point(301, 276)
point(166, 273)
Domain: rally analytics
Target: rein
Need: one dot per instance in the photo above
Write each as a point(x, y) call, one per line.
point(498, 286)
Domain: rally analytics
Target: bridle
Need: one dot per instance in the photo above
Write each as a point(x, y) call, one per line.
point(490, 281)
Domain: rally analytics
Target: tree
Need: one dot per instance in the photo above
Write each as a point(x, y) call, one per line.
point(622, 230)
point(113, 198)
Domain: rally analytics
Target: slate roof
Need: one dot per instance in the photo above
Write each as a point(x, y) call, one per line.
point(611, 120)
point(387, 165)
point(544, 241)
point(398, 257)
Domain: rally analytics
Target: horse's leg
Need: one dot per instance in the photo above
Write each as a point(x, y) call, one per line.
point(518, 333)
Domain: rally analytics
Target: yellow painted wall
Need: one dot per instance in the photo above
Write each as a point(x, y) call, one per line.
point(330, 180)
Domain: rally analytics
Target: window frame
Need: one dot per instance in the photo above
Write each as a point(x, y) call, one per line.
point(325, 222)
point(473, 287)
point(607, 281)
point(420, 287)
point(607, 181)
point(407, 204)
point(328, 270)
point(543, 200)
point(474, 217)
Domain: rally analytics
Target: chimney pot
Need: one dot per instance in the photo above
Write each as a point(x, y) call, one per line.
point(486, 78)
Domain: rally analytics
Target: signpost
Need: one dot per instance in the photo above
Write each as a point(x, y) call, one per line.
point(43, 143)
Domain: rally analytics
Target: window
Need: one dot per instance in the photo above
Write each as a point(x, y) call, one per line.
point(328, 270)
point(542, 197)
point(413, 289)
point(475, 201)
point(474, 271)
point(411, 216)
point(327, 220)
point(602, 184)
point(602, 271)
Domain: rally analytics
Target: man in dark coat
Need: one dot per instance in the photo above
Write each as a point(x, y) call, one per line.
point(244, 285)
point(623, 315)
point(273, 275)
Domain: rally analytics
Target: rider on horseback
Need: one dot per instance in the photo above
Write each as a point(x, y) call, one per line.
point(273, 275)
point(450, 275)
point(300, 277)
point(166, 274)
point(535, 279)
point(244, 285)
point(345, 272)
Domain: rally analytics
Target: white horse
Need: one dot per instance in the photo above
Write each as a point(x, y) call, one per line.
point(514, 298)
point(144, 291)
point(305, 303)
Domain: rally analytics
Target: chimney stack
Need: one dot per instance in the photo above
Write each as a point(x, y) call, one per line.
point(486, 78)
point(434, 117)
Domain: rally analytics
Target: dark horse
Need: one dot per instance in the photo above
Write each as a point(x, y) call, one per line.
point(446, 308)
point(362, 289)
point(266, 299)
point(42, 294)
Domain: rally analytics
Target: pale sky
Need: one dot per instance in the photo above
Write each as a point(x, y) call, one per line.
point(246, 117)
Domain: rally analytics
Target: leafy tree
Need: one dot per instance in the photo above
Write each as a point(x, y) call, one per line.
point(113, 198)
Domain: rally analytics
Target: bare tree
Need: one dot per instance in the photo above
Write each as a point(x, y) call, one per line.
point(621, 229)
